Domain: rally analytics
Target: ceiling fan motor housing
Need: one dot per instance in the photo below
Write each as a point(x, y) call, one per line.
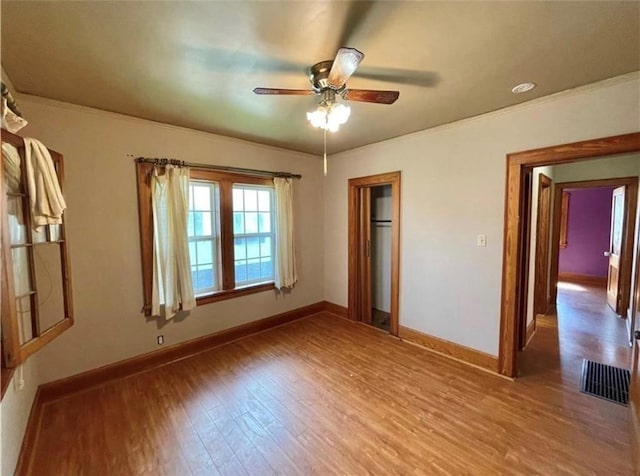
point(318, 76)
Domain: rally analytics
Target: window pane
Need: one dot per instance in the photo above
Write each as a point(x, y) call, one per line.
point(238, 200)
point(39, 236)
point(266, 268)
point(205, 277)
point(253, 247)
point(264, 222)
point(17, 228)
point(193, 257)
point(202, 197)
point(241, 271)
point(265, 246)
point(48, 279)
point(239, 248)
point(205, 252)
point(251, 222)
point(264, 200)
point(23, 309)
point(55, 232)
point(191, 225)
point(253, 269)
point(194, 278)
point(21, 275)
point(202, 222)
point(238, 223)
point(250, 200)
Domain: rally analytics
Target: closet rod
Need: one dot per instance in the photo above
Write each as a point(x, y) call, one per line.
point(380, 221)
point(239, 170)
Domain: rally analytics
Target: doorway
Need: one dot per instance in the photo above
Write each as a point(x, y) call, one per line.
point(374, 250)
point(577, 321)
point(608, 204)
point(380, 251)
point(519, 165)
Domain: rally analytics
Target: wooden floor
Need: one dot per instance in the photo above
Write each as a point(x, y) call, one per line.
point(327, 396)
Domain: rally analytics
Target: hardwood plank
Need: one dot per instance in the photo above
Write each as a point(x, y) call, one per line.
point(324, 395)
point(336, 309)
point(144, 362)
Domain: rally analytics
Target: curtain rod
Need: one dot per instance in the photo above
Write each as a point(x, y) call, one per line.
point(182, 163)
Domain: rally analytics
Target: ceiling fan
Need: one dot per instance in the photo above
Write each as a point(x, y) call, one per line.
point(329, 78)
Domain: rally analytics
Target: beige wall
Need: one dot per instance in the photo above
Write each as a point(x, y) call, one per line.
point(607, 167)
point(452, 190)
point(103, 236)
point(16, 407)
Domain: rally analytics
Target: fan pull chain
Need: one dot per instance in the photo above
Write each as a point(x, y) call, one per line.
point(325, 152)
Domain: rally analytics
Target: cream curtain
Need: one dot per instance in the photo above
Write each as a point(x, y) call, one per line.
point(285, 270)
point(172, 286)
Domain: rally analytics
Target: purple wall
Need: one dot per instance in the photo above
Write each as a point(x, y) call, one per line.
point(587, 232)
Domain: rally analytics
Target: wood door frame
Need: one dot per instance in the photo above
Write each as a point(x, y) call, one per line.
point(364, 257)
point(525, 254)
point(517, 164)
point(541, 283)
point(355, 237)
point(634, 384)
point(630, 210)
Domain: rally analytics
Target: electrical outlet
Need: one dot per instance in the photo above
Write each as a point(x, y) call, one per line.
point(482, 240)
point(160, 340)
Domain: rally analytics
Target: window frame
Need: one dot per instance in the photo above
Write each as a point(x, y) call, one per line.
point(214, 237)
point(225, 181)
point(271, 234)
point(14, 352)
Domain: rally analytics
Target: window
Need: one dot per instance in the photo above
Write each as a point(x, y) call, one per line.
point(253, 236)
point(231, 233)
point(36, 281)
point(204, 236)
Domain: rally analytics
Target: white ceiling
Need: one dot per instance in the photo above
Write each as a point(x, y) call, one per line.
point(194, 64)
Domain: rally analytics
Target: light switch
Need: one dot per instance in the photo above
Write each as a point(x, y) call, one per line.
point(482, 240)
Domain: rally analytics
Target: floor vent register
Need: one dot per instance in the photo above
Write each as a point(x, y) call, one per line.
point(605, 381)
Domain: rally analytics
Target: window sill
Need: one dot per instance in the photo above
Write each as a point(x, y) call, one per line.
point(233, 293)
point(6, 379)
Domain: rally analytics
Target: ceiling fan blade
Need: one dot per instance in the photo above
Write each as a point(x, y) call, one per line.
point(288, 92)
point(345, 64)
point(370, 95)
point(400, 76)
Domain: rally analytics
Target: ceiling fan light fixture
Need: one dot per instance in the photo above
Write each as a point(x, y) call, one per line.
point(329, 117)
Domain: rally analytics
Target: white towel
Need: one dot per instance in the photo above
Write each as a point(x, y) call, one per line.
point(46, 200)
point(10, 120)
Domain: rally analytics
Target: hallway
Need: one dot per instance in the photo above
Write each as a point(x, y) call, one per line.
point(585, 327)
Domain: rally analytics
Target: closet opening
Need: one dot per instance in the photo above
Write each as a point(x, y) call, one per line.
point(374, 250)
point(380, 251)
